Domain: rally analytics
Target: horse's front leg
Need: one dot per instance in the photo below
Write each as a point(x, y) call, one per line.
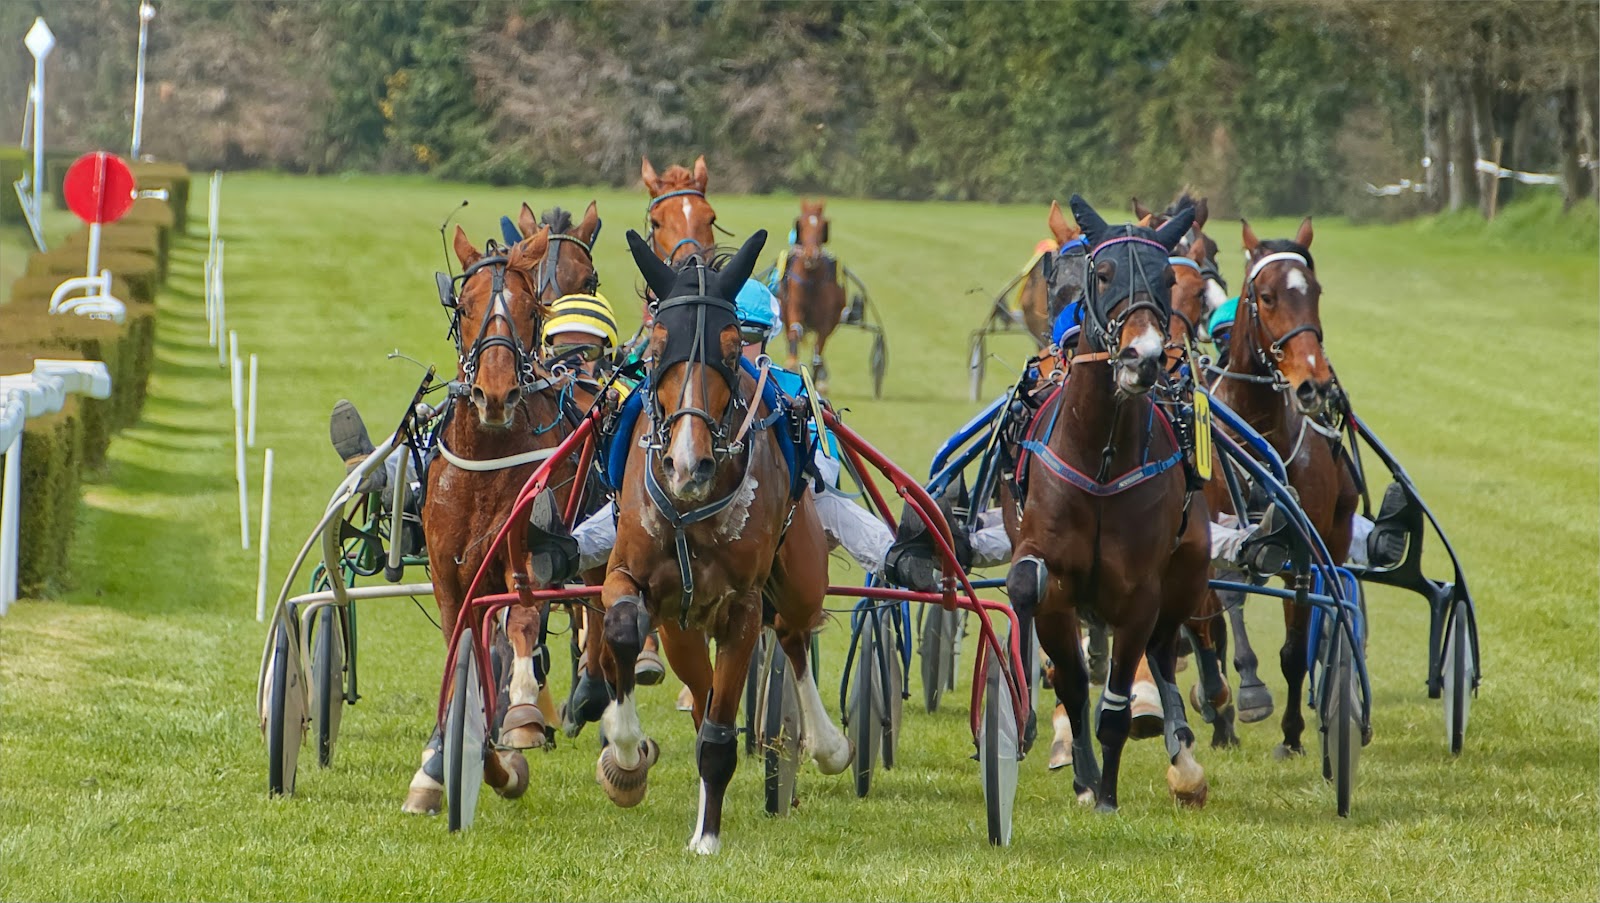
point(1297, 633)
point(623, 769)
point(716, 748)
point(795, 331)
point(530, 706)
point(1255, 700)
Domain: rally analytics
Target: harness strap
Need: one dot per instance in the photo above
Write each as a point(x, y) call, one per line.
point(1088, 484)
point(1276, 257)
point(750, 415)
point(681, 521)
point(491, 464)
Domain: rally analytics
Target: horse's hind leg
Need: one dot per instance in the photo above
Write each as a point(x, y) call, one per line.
point(1255, 700)
point(1185, 778)
point(716, 752)
point(425, 796)
point(1059, 635)
point(1292, 656)
point(623, 769)
point(824, 742)
point(1210, 695)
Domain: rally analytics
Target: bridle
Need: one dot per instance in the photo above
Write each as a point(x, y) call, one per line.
point(661, 422)
point(499, 309)
point(1104, 331)
point(650, 232)
point(1269, 352)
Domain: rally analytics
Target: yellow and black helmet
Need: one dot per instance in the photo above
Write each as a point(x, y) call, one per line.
point(589, 314)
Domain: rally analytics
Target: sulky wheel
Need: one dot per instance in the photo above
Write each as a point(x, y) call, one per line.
point(464, 732)
point(779, 721)
point(284, 701)
point(1458, 667)
point(939, 637)
point(1341, 716)
point(866, 714)
point(879, 364)
point(998, 748)
point(891, 689)
point(327, 680)
point(753, 683)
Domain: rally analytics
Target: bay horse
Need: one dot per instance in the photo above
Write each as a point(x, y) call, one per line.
point(1216, 288)
point(501, 413)
point(1279, 380)
point(811, 296)
point(681, 219)
point(709, 534)
point(1055, 280)
point(1129, 544)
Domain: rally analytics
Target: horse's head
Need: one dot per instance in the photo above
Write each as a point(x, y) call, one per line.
point(1216, 288)
point(1064, 270)
point(1128, 299)
point(568, 267)
point(681, 219)
point(694, 361)
point(811, 233)
point(1194, 282)
point(1284, 330)
point(498, 305)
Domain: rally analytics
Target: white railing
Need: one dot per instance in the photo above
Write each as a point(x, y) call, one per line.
point(25, 395)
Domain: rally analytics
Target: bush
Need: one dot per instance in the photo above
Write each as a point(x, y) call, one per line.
point(56, 164)
point(150, 212)
point(135, 237)
point(140, 271)
point(14, 163)
point(174, 177)
point(52, 462)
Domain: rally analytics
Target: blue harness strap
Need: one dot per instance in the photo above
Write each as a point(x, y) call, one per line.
point(1034, 447)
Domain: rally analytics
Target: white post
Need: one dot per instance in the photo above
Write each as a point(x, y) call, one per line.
point(10, 505)
point(221, 303)
point(244, 489)
point(250, 421)
point(40, 41)
point(146, 13)
point(94, 249)
point(266, 535)
point(212, 210)
point(235, 378)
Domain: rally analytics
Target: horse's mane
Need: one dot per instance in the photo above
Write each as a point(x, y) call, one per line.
point(676, 177)
point(1276, 245)
point(559, 220)
point(1184, 199)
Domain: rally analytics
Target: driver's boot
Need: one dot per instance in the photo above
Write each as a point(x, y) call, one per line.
point(913, 560)
point(353, 445)
point(553, 551)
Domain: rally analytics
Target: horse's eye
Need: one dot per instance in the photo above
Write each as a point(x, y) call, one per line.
point(1267, 299)
point(655, 223)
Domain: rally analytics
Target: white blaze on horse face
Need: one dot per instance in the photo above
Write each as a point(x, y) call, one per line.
point(1296, 280)
point(621, 722)
point(686, 211)
point(1148, 343)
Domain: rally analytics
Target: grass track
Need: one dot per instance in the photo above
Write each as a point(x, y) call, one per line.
point(131, 766)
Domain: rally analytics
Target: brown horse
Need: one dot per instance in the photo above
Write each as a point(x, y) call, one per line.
point(811, 295)
point(706, 529)
point(1055, 280)
point(502, 412)
point(1279, 380)
point(681, 219)
point(1128, 543)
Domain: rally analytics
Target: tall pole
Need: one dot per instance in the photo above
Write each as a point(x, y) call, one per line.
point(146, 13)
point(39, 41)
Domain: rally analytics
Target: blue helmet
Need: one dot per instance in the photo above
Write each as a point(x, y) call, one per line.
point(1222, 318)
point(756, 305)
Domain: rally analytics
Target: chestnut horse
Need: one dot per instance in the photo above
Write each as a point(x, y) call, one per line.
point(707, 529)
point(502, 411)
point(1128, 543)
point(681, 219)
point(1055, 280)
point(811, 296)
point(1279, 380)
point(1216, 288)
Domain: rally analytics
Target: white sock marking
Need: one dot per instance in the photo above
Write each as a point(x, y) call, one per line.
point(621, 723)
point(823, 742)
point(524, 686)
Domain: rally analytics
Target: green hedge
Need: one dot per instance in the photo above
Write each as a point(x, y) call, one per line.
point(52, 464)
point(14, 162)
point(56, 164)
point(128, 350)
point(140, 271)
point(139, 238)
point(174, 177)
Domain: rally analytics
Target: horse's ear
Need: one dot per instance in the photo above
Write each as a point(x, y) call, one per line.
point(1091, 222)
point(1250, 240)
point(465, 252)
point(526, 254)
point(1144, 221)
point(701, 177)
point(526, 221)
point(1140, 211)
point(1303, 237)
point(647, 172)
point(656, 273)
point(1059, 227)
point(1198, 250)
point(1172, 231)
point(589, 229)
point(737, 271)
point(1201, 213)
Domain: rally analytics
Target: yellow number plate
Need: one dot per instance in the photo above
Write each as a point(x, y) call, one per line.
point(1202, 433)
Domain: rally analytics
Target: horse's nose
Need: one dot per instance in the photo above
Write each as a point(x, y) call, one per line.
point(1309, 395)
point(704, 469)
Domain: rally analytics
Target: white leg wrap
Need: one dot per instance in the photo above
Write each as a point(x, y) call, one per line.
point(621, 723)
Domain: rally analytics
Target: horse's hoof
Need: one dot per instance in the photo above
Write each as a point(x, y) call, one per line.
point(836, 765)
point(626, 786)
point(1193, 799)
point(423, 801)
point(648, 670)
point(515, 766)
point(1086, 795)
point(1366, 734)
point(1105, 808)
point(569, 726)
point(1255, 703)
point(1060, 754)
point(1283, 751)
point(523, 727)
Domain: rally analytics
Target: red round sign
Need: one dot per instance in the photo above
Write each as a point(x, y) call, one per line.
point(99, 187)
